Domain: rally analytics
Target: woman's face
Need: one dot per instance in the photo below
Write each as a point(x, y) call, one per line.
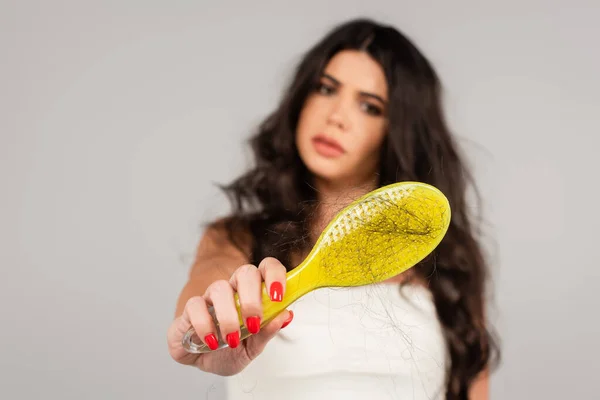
point(343, 122)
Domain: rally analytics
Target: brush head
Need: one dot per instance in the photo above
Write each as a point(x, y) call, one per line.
point(381, 235)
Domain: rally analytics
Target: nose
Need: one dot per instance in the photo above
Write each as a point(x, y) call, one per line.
point(338, 115)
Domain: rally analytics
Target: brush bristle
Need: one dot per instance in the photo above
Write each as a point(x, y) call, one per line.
point(383, 234)
point(357, 215)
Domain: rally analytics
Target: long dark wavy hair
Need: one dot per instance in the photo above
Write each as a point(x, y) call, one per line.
point(273, 201)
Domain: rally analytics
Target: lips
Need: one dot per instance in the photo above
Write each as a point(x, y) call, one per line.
point(327, 147)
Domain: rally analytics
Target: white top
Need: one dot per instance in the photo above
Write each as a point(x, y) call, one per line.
point(352, 343)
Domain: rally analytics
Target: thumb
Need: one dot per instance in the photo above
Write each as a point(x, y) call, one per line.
point(255, 344)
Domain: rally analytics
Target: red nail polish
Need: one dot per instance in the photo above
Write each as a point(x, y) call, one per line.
point(233, 339)
point(253, 324)
point(276, 291)
point(287, 321)
point(211, 341)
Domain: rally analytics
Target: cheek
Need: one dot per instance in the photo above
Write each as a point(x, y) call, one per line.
point(310, 116)
point(369, 138)
point(307, 126)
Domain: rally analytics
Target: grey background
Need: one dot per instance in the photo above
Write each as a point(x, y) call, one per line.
point(117, 116)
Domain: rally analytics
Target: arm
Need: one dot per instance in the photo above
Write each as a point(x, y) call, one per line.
point(480, 388)
point(216, 258)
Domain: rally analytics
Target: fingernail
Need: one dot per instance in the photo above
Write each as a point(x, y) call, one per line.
point(233, 339)
point(287, 321)
point(253, 324)
point(211, 341)
point(276, 291)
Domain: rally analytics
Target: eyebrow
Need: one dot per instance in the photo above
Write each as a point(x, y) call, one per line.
point(365, 94)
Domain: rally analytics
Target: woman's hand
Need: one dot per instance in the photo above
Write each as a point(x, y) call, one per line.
point(247, 282)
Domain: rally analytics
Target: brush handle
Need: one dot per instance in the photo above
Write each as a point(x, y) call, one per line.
point(299, 281)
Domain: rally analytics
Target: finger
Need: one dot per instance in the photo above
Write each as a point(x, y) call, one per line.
point(256, 343)
point(288, 320)
point(274, 274)
point(175, 334)
point(196, 312)
point(247, 282)
point(220, 295)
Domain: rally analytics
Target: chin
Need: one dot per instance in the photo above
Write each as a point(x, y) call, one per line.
point(327, 170)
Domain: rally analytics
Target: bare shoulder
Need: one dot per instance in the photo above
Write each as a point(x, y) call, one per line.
point(224, 246)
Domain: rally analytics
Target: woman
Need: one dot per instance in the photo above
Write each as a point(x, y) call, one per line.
point(363, 111)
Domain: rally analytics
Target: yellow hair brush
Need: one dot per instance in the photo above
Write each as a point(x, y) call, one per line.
point(376, 237)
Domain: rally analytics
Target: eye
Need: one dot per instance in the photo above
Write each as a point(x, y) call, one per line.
point(371, 109)
point(324, 89)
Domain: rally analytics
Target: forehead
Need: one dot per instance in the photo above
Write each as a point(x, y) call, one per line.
point(358, 71)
